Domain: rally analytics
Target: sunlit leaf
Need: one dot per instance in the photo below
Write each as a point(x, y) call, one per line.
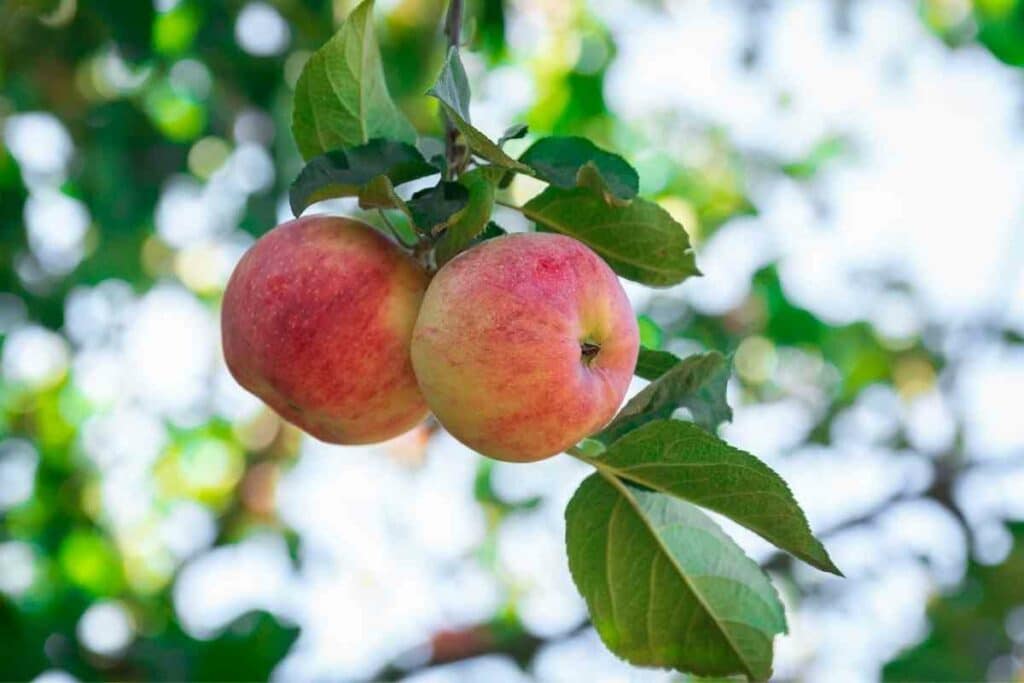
point(641, 241)
point(682, 460)
point(341, 98)
point(665, 586)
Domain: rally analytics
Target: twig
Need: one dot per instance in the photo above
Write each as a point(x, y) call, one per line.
point(450, 646)
point(452, 29)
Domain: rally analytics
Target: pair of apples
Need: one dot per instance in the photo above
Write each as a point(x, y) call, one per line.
point(521, 346)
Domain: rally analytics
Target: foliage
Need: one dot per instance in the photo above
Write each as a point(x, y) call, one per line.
point(709, 609)
point(134, 138)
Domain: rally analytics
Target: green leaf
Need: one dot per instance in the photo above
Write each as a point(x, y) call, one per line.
point(515, 132)
point(379, 193)
point(641, 241)
point(432, 208)
point(470, 221)
point(665, 586)
point(652, 364)
point(590, 178)
point(341, 98)
point(697, 383)
point(569, 162)
point(682, 460)
point(651, 334)
point(454, 101)
point(347, 172)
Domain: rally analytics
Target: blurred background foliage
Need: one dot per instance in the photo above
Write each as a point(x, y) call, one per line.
point(158, 523)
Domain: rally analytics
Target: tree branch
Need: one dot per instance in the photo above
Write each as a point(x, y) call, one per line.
point(450, 646)
point(453, 30)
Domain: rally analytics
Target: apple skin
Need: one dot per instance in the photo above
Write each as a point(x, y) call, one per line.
point(497, 345)
point(317, 320)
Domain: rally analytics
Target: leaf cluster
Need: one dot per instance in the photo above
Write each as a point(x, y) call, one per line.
point(664, 584)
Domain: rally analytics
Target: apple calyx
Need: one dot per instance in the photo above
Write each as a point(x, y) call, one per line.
point(589, 351)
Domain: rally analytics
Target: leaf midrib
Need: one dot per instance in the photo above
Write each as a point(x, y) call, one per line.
point(640, 481)
point(621, 488)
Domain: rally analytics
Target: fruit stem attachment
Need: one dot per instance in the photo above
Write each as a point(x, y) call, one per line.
point(589, 351)
point(452, 154)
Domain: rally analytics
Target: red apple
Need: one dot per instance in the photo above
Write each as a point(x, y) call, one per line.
point(524, 345)
point(317, 321)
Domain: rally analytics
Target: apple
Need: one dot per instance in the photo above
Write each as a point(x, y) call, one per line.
point(317, 320)
point(524, 345)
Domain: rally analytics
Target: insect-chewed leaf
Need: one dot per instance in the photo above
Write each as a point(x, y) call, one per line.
point(452, 91)
point(347, 172)
point(652, 364)
point(641, 241)
point(665, 586)
point(470, 221)
point(433, 208)
point(341, 98)
point(697, 383)
point(682, 460)
point(569, 162)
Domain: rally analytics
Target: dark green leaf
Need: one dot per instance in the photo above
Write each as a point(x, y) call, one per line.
point(341, 98)
point(515, 132)
point(696, 383)
point(433, 207)
point(346, 172)
point(641, 241)
point(652, 364)
point(470, 221)
point(569, 162)
point(681, 459)
point(665, 586)
point(447, 90)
